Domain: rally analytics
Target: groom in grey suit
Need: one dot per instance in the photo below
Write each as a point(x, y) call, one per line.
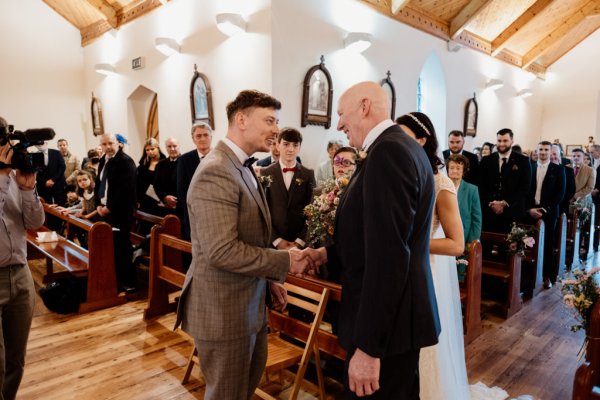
point(222, 305)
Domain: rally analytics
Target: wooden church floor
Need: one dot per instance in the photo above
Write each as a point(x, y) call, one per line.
point(114, 354)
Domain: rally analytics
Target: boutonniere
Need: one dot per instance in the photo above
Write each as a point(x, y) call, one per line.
point(360, 157)
point(515, 167)
point(265, 180)
point(299, 181)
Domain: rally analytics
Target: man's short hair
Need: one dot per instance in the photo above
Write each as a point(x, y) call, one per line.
point(459, 159)
point(202, 125)
point(545, 143)
point(456, 133)
point(289, 135)
point(505, 131)
point(3, 123)
point(250, 99)
point(578, 151)
point(62, 140)
point(334, 142)
point(595, 147)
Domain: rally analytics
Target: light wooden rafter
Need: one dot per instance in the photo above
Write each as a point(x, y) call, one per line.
point(592, 8)
point(466, 15)
point(105, 9)
point(528, 16)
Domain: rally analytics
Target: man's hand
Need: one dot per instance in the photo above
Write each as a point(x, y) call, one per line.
point(170, 201)
point(285, 245)
point(5, 158)
point(103, 211)
point(299, 262)
point(363, 373)
point(25, 180)
point(49, 183)
point(278, 296)
point(535, 213)
point(497, 206)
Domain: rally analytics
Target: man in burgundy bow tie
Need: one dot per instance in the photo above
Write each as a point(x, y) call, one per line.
point(290, 191)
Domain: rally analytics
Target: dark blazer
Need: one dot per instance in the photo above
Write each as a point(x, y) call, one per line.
point(469, 207)
point(569, 189)
point(55, 170)
point(473, 174)
point(265, 162)
point(165, 178)
point(553, 189)
point(121, 191)
point(186, 166)
point(287, 206)
point(596, 198)
point(383, 224)
point(512, 188)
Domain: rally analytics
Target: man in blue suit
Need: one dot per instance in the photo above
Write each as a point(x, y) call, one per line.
point(186, 166)
point(542, 202)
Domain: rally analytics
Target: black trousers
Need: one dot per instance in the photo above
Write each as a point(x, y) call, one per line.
point(398, 377)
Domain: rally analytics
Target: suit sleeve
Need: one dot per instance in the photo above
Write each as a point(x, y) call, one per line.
point(523, 184)
point(160, 178)
point(216, 199)
point(589, 185)
point(122, 186)
point(390, 196)
point(58, 173)
point(307, 199)
point(558, 191)
point(476, 220)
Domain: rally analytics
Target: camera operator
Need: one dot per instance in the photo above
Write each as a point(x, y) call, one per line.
point(20, 209)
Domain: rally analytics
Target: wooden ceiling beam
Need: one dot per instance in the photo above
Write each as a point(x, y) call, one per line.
point(589, 9)
point(528, 16)
point(397, 5)
point(465, 16)
point(110, 15)
point(59, 10)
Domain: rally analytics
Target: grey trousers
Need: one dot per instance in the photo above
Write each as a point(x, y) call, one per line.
point(17, 298)
point(232, 369)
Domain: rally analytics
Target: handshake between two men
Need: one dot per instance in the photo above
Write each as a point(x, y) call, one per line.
point(307, 261)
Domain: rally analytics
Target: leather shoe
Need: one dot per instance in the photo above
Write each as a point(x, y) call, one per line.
point(547, 283)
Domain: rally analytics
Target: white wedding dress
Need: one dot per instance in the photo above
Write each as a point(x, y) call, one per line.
point(442, 369)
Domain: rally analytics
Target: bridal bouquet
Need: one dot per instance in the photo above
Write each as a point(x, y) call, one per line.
point(320, 213)
point(580, 294)
point(519, 238)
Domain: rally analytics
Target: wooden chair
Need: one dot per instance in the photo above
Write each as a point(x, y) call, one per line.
point(586, 383)
point(283, 354)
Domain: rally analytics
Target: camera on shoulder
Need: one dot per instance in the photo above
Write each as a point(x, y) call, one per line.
point(19, 142)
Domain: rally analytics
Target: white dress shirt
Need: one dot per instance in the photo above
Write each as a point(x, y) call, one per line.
point(541, 174)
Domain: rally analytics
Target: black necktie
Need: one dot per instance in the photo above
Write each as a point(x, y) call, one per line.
point(503, 166)
point(249, 161)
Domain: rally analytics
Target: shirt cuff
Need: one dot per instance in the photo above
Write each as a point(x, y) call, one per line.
point(276, 242)
point(301, 242)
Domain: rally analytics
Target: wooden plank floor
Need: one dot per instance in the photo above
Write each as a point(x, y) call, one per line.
point(114, 354)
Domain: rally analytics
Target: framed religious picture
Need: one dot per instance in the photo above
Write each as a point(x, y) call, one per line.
point(201, 99)
point(317, 97)
point(97, 121)
point(390, 90)
point(471, 113)
point(571, 147)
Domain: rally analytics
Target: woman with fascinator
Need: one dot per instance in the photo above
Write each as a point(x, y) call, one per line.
point(442, 369)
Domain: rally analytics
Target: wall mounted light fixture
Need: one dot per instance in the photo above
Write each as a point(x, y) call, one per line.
point(231, 24)
point(494, 84)
point(167, 46)
point(524, 93)
point(358, 41)
point(105, 69)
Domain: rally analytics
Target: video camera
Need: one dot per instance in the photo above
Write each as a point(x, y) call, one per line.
point(21, 159)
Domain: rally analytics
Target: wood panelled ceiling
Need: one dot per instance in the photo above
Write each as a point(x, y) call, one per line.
point(95, 17)
point(530, 34)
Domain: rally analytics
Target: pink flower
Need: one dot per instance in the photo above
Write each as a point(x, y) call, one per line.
point(529, 241)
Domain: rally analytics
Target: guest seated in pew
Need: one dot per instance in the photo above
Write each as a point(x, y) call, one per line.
point(468, 202)
point(542, 202)
point(86, 201)
point(21, 210)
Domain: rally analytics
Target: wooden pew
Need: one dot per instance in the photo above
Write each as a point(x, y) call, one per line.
point(165, 268)
point(586, 384)
point(499, 265)
point(587, 236)
point(96, 263)
point(470, 294)
point(532, 263)
point(560, 245)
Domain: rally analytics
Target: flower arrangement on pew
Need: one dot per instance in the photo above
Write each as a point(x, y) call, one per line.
point(580, 293)
point(320, 213)
point(583, 205)
point(519, 239)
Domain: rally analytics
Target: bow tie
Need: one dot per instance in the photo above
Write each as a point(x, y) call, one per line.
point(289, 170)
point(249, 161)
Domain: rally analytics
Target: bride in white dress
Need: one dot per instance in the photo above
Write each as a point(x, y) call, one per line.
point(442, 369)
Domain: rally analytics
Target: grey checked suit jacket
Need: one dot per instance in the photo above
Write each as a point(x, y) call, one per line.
point(223, 296)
